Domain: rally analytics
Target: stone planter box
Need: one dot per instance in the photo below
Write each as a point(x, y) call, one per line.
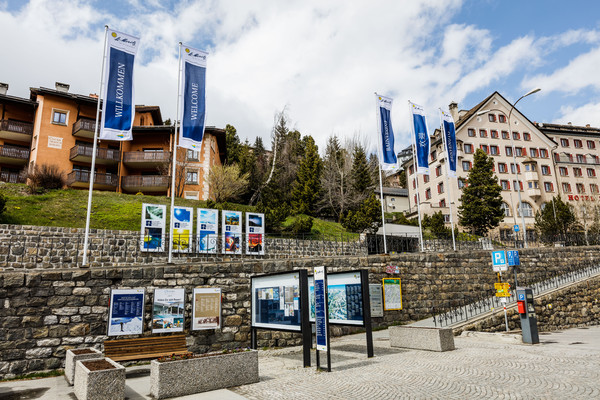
point(105, 384)
point(420, 338)
point(72, 357)
point(195, 375)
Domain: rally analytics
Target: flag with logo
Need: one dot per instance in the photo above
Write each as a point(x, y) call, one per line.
point(388, 158)
point(448, 130)
point(192, 106)
point(421, 138)
point(118, 109)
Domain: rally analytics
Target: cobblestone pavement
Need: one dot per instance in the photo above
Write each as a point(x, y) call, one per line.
point(565, 365)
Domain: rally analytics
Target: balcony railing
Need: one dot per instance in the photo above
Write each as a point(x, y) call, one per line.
point(24, 128)
point(14, 152)
point(145, 181)
point(589, 159)
point(100, 179)
point(147, 156)
point(85, 124)
point(101, 153)
point(11, 177)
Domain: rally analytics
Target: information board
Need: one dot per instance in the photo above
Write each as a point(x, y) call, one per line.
point(376, 296)
point(126, 312)
point(321, 328)
point(167, 310)
point(232, 232)
point(208, 230)
point(183, 218)
point(206, 311)
point(153, 227)
point(255, 233)
point(276, 301)
point(392, 294)
point(344, 298)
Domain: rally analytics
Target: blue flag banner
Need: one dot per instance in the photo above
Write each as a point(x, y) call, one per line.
point(388, 159)
point(421, 138)
point(450, 141)
point(192, 107)
point(118, 109)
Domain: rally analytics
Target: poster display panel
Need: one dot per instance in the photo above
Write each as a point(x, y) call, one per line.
point(183, 218)
point(208, 230)
point(167, 310)
point(153, 227)
point(206, 312)
point(276, 301)
point(321, 308)
point(232, 232)
point(344, 298)
point(126, 313)
point(255, 233)
point(392, 294)
point(376, 297)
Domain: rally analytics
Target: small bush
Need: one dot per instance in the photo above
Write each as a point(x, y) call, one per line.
point(2, 203)
point(45, 177)
point(302, 224)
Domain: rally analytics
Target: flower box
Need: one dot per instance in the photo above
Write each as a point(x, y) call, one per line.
point(202, 373)
point(101, 379)
point(74, 355)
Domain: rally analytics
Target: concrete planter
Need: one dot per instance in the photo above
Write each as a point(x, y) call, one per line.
point(420, 338)
point(195, 375)
point(72, 357)
point(106, 384)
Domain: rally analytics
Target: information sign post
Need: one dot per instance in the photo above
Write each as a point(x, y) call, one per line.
point(321, 315)
point(364, 280)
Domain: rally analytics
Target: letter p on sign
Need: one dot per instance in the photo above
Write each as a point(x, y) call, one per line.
point(499, 261)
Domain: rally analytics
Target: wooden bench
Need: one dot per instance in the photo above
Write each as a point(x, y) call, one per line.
point(144, 348)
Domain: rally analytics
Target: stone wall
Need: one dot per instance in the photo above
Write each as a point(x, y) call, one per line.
point(45, 312)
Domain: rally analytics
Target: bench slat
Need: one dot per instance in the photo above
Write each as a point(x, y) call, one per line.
point(145, 348)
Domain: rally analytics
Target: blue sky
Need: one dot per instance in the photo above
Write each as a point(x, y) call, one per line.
point(322, 61)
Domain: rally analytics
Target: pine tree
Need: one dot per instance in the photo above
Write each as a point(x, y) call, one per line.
point(335, 180)
point(557, 218)
point(232, 144)
point(366, 217)
point(481, 200)
point(307, 185)
point(361, 177)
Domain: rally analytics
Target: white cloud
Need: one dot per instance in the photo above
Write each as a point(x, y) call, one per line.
point(582, 115)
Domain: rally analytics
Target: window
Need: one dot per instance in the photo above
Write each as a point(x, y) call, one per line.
point(427, 194)
point(548, 187)
point(529, 167)
point(438, 170)
point(59, 117)
point(519, 151)
point(433, 155)
point(482, 133)
point(502, 168)
point(533, 152)
point(515, 168)
point(580, 159)
point(485, 148)
point(516, 136)
point(426, 178)
point(564, 142)
point(563, 171)
point(504, 135)
point(414, 184)
point(543, 153)
point(191, 176)
point(580, 188)
point(491, 117)
point(191, 195)
point(494, 150)
point(533, 185)
point(506, 208)
point(569, 156)
point(411, 170)
point(591, 145)
point(471, 132)
point(577, 143)
point(494, 134)
point(591, 172)
point(545, 170)
point(526, 136)
point(461, 183)
point(566, 187)
point(468, 148)
point(526, 209)
point(192, 155)
point(466, 165)
point(577, 172)
point(501, 118)
point(505, 185)
point(508, 151)
point(440, 187)
point(443, 203)
point(593, 188)
point(520, 186)
point(415, 199)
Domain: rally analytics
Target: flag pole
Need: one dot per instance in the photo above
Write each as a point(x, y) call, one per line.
point(380, 180)
point(94, 148)
point(176, 136)
point(443, 133)
point(414, 146)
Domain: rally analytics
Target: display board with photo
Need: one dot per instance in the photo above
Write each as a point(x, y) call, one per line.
point(255, 233)
point(208, 230)
point(167, 310)
point(153, 227)
point(344, 298)
point(182, 225)
point(232, 232)
point(276, 301)
point(126, 312)
point(206, 311)
point(392, 294)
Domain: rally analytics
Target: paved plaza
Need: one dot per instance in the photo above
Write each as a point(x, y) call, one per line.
point(565, 365)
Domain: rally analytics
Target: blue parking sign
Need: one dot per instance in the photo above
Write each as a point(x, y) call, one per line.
point(516, 228)
point(499, 260)
point(512, 257)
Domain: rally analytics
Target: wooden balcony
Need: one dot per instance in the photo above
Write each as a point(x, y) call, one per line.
point(81, 179)
point(16, 130)
point(145, 183)
point(13, 155)
point(146, 159)
point(84, 127)
point(11, 177)
point(81, 153)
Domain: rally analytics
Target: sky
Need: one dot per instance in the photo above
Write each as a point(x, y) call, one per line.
point(321, 61)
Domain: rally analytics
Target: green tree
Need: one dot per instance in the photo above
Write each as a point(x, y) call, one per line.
point(232, 144)
point(480, 209)
point(402, 179)
point(307, 186)
point(366, 218)
point(557, 218)
point(2, 203)
point(360, 173)
point(438, 225)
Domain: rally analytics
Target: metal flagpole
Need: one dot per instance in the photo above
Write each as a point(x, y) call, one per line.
point(447, 179)
point(174, 159)
point(377, 111)
point(94, 148)
point(414, 148)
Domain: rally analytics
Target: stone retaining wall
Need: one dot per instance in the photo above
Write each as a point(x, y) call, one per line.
point(43, 313)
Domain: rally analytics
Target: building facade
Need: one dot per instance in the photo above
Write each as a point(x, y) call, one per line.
point(395, 199)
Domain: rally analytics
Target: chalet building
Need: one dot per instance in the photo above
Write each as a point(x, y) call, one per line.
point(57, 127)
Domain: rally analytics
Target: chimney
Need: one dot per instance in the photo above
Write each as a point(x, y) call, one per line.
point(454, 110)
point(587, 125)
point(3, 88)
point(62, 87)
point(569, 123)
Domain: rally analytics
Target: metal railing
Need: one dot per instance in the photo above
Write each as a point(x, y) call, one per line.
point(145, 156)
point(84, 124)
point(12, 177)
point(101, 153)
point(14, 152)
point(99, 178)
point(25, 128)
point(145, 181)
